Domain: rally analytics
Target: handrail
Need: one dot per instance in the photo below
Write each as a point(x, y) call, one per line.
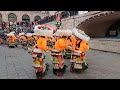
point(78, 16)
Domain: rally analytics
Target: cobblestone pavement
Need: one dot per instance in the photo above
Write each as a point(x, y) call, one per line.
point(16, 63)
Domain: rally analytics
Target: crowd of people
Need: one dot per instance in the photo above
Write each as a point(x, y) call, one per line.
point(63, 14)
point(17, 27)
point(26, 26)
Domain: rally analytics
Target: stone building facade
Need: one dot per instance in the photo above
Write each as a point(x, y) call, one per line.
point(19, 15)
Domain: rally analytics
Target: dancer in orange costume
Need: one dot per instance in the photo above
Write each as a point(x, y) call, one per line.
point(61, 44)
point(23, 39)
point(78, 56)
point(35, 37)
point(41, 45)
point(11, 40)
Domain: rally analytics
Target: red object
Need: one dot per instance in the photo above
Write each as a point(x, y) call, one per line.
point(48, 27)
point(40, 27)
point(40, 69)
point(58, 17)
point(59, 74)
point(60, 60)
point(0, 40)
point(34, 53)
point(41, 62)
point(54, 31)
point(34, 60)
point(39, 78)
point(82, 54)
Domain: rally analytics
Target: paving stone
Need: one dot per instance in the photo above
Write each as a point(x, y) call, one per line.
point(11, 68)
point(18, 65)
point(19, 68)
point(10, 65)
point(112, 76)
point(3, 77)
point(3, 74)
point(23, 77)
point(32, 75)
point(21, 72)
point(11, 72)
point(3, 71)
point(13, 76)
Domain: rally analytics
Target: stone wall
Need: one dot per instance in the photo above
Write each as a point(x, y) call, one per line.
point(19, 14)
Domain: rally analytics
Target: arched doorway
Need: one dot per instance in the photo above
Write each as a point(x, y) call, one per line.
point(114, 30)
point(37, 18)
point(12, 17)
point(0, 17)
point(25, 18)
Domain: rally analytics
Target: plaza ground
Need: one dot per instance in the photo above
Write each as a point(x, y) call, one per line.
point(16, 63)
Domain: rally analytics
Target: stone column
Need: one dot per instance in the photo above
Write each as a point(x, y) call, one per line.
point(4, 16)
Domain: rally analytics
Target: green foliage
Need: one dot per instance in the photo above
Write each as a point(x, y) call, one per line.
point(58, 23)
point(55, 59)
